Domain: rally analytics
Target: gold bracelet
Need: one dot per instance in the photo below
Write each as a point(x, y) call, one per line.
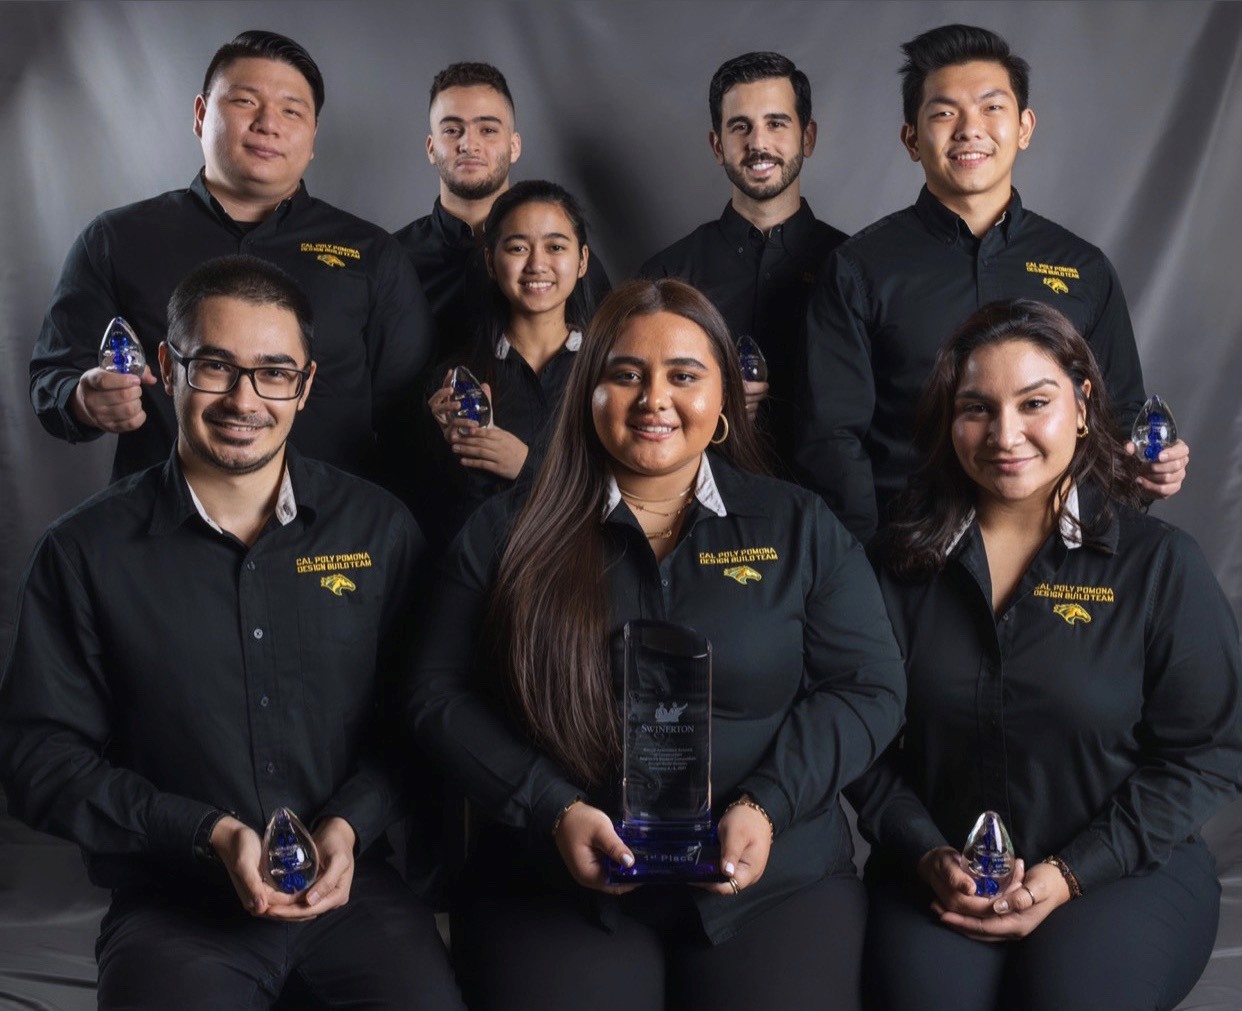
point(1075, 888)
point(564, 811)
point(754, 805)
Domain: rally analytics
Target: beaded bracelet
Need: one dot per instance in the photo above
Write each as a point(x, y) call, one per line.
point(754, 805)
point(564, 811)
point(1074, 887)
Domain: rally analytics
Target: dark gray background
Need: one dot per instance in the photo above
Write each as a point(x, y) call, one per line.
point(1137, 148)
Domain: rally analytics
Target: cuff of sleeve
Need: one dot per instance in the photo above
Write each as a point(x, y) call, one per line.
point(549, 806)
point(769, 796)
point(172, 824)
point(1092, 863)
point(365, 810)
point(73, 429)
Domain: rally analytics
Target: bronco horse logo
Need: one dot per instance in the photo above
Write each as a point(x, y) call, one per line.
point(1057, 285)
point(331, 259)
point(742, 573)
point(338, 583)
point(1072, 613)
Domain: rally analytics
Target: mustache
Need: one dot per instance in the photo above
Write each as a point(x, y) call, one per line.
point(229, 418)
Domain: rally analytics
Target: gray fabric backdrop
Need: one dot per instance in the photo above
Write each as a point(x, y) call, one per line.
point(1137, 149)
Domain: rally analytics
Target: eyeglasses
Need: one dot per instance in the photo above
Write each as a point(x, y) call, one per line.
point(210, 375)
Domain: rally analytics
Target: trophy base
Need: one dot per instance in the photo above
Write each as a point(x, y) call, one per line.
point(668, 853)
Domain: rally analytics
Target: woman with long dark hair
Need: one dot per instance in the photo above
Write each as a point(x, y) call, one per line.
point(652, 503)
point(539, 299)
point(1073, 666)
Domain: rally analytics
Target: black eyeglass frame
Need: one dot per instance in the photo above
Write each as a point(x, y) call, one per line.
point(238, 372)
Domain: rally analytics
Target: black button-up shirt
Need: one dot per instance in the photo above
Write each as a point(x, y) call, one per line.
point(885, 305)
point(761, 284)
point(161, 669)
point(807, 680)
point(1099, 713)
point(373, 329)
point(449, 260)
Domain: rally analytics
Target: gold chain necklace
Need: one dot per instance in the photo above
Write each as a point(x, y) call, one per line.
point(658, 535)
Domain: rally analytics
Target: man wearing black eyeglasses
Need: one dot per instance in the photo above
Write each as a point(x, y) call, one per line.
point(205, 642)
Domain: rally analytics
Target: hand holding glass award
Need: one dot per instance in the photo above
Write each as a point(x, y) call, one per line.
point(120, 350)
point(472, 402)
point(1154, 428)
point(750, 357)
point(666, 792)
point(290, 857)
point(988, 855)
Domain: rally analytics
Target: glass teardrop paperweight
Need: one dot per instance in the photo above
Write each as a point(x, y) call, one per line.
point(120, 350)
point(472, 402)
point(988, 855)
point(754, 365)
point(291, 859)
point(1154, 428)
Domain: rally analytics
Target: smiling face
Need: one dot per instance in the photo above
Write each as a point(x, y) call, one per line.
point(1015, 423)
point(237, 432)
point(257, 127)
point(969, 132)
point(761, 144)
point(472, 141)
point(658, 402)
point(537, 260)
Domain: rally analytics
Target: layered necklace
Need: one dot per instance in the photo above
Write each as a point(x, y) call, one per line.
point(646, 505)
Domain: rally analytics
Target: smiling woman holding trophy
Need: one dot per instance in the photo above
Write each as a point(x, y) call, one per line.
point(1073, 694)
point(652, 678)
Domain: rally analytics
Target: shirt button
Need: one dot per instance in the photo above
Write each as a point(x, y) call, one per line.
point(250, 566)
point(739, 249)
point(264, 701)
point(258, 633)
point(271, 768)
point(664, 582)
point(1008, 615)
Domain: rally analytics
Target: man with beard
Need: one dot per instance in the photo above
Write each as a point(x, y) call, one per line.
point(758, 262)
point(472, 143)
point(210, 640)
point(256, 119)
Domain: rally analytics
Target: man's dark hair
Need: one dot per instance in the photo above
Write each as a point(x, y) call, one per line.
point(267, 46)
point(948, 46)
point(243, 277)
point(751, 67)
point(467, 75)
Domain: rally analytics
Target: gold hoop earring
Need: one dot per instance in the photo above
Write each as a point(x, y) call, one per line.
point(717, 442)
point(1082, 432)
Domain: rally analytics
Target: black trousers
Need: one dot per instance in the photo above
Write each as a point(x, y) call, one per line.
point(380, 950)
point(1137, 943)
point(540, 953)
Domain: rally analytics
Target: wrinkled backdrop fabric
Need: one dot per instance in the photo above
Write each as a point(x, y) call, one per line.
point(1137, 149)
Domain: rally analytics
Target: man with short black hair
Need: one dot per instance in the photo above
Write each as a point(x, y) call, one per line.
point(758, 261)
point(256, 119)
point(210, 640)
point(473, 142)
point(892, 294)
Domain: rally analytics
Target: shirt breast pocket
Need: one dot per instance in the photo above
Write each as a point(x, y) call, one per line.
point(337, 653)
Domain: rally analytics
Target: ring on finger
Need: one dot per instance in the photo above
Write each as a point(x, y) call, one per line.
point(734, 885)
point(1030, 893)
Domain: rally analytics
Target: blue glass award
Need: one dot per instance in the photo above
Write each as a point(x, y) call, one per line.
point(754, 365)
point(666, 789)
point(472, 402)
point(291, 859)
point(120, 349)
point(1154, 428)
point(988, 855)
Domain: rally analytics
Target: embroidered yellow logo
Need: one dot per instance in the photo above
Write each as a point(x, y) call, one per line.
point(338, 583)
point(331, 259)
point(1072, 613)
point(1055, 283)
point(742, 573)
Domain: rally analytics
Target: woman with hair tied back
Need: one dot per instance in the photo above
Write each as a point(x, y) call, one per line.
point(651, 492)
point(539, 299)
point(1071, 665)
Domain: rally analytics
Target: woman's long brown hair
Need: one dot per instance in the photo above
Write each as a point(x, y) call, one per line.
point(549, 615)
point(925, 518)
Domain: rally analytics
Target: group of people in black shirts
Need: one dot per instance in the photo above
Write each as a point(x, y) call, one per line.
point(240, 622)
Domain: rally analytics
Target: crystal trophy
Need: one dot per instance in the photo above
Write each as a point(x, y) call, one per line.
point(988, 855)
point(472, 402)
point(291, 858)
point(754, 365)
point(120, 349)
point(1154, 428)
point(666, 789)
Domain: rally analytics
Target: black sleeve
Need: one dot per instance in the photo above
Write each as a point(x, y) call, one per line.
point(838, 399)
point(1112, 342)
point(54, 726)
point(68, 343)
